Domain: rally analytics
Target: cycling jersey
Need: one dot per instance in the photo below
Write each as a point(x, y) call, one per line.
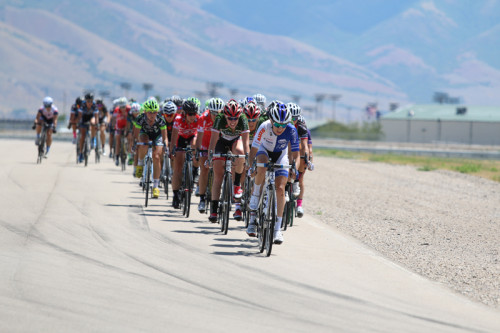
point(103, 115)
point(301, 128)
point(152, 131)
point(221, 126)
point(205, 127)
point(121, 117)
point(261, 119)
point(74, 109)
point(87, 113)
point(266, 139)
point(48, 115)
point(186, 130)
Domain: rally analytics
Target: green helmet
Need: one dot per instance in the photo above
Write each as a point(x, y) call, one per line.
point(195, 100)
point(151, 105)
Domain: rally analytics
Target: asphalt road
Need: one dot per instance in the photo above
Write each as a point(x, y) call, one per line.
point(80, 253)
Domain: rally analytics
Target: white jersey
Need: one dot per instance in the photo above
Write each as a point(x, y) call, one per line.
point(265, 138)
point(48, 114)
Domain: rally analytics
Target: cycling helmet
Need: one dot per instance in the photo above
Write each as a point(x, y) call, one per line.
point(294, 109)
point(151, 105)
point(132, 100)
point(169, 108)
point(196, 101)
point(252, 110)
point(78, 101)
point(260, 99)
point(190, 107)
point(247, 100)
point(89, 95)
point(279, 114)
point(232, 109)
point(216, 105)
point(122, 101)
point(47, 101)
point(135, 108)
point(177, 100)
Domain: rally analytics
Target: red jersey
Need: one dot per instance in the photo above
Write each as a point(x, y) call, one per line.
point(121, 117)
point(186, 130)
point(205, 127)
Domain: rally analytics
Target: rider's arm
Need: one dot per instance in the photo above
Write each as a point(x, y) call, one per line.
point(164, 137)
point(213, 140)
point(175, 135)
point(244, 138)
point(199, 139)
point(253, 152)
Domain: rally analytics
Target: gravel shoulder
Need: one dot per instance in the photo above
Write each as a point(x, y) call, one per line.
point(442, 225)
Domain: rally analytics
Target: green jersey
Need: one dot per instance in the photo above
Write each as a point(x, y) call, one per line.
point(222, 127)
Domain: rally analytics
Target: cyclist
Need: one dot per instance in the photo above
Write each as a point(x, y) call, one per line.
point(74, 115)
point(260, 100)
point(305, 147)
point(229, 133)
point(151, 127)
point(103, 122)
point(178, 101)
point(255, 117)
point(87, 115)
point(120, 114)
point(183, 134)
point(132, 115)
point(135, 110)
point(46, 114)
point(272, 141)
point(215, 106)
point(111, 128)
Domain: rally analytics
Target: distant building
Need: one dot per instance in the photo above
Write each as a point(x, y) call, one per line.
point(443, 123)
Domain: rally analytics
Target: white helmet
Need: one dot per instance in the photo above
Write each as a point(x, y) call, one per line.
point(47, 101)
point(279, 113)
point(294, 109)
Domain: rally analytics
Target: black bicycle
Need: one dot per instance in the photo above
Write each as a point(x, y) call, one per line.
point(86, 147)
point(245, 199)
point(42, 142)
point(98, 146)
point(123, 150)
point(290, 206)
point(267, 211)
point(226, 189)
point(166, 172)
point(186, 189)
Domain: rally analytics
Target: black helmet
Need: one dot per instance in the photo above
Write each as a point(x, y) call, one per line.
point(89, 95)
point(177, 100)
point(78, 101)
point(190, 107)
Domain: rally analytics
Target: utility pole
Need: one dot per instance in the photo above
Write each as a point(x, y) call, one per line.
point(212, 88)
point(126, 87)
point(334, 98)
point(147, 87)
point(319, 102)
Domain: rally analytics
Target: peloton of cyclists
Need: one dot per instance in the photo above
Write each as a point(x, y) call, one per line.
point(229, 133)
point(47, 113)
point(151, 126)
point(271, 143)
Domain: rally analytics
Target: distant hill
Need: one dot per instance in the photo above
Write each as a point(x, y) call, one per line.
point(60, 47)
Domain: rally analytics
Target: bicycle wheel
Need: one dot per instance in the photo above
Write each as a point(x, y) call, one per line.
point(97, 148)
point(188, 189)
point(246, 200)
point(166, 174)
point(270, 222)
point(261, 231)
point(226, 203)
point(41, 146)
point(286, 209)
point(147, 180)
point(208, 193)
point(123, 153)
point(86, 148)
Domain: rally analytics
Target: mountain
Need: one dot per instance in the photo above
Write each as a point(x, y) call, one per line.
point(377, 51)
point(176, 46)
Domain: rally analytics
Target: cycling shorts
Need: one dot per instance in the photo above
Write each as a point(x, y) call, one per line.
point(183, 142)
point(279, 157)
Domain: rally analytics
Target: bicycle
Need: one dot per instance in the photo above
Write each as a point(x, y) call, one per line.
point(289, 212)
point(42, 142)
point(123, 151)
point(147, 172)
point(226, 189)
point(86, 147)
point(166, 172)
point(245, 199)
point(187, 180)
point(267, 211)
point(97, 147)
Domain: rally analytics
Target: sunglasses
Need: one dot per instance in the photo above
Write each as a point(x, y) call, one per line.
point(191, 114)
point(295, 118)
point(252, 120)
point(278, 125)
point(232, 118)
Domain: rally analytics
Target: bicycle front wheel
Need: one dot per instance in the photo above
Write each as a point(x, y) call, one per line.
point(86, 148)
point(187, 190)
point(147, 180)
point(226, 203)
point(270, 222)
